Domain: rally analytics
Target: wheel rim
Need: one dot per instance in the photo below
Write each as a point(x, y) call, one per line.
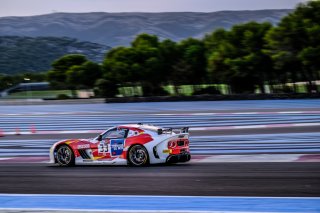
point(138, 155)
point(64, 155)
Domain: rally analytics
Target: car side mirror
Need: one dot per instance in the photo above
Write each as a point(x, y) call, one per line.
point(100, 138)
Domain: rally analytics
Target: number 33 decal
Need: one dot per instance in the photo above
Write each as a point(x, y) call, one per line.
point(103, 147)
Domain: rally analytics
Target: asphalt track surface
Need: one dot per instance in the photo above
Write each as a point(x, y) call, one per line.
point(222, 179)
point(193, 178)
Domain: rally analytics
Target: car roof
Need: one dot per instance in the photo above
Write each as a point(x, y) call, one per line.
point(141, 126)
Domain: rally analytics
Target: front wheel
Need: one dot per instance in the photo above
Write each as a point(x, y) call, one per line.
point(138, 156)
point(65, 156)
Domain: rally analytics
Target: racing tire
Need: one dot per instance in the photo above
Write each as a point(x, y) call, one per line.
point(138, 156)
point(65, 156)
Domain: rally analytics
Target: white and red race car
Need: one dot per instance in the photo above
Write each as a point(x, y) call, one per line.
point(134, 144)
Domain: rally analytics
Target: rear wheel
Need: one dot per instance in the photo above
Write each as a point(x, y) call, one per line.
point(65, 156)
point(138, 156)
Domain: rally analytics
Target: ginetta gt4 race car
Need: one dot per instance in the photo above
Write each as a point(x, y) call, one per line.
point(136, 145)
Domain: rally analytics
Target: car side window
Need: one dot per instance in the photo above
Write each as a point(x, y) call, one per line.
point(115, 133)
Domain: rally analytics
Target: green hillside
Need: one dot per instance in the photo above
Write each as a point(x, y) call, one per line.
point(26, 54)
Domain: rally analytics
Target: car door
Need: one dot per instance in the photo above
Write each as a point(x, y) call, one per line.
point(112, 143)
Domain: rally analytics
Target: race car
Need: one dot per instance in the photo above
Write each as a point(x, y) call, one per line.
point(134, 144)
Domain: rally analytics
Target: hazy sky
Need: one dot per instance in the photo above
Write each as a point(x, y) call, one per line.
point(36, 7)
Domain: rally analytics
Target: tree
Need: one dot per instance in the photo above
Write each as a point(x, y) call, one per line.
point(65, 62)
point(193, 54)
point(150, 63)
point(58, 75)
point(7, 81)
point(295, 43)
point(184, 62)
point(218, 48)
point(236, 57)
point(145, 40)
point(120, 66)
point(170, 54)
point(181, 74)
point(84, 75)
point(151, 70)
point(141, 64)
point(106, 88)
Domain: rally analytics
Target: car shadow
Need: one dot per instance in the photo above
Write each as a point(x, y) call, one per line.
point(122, 166)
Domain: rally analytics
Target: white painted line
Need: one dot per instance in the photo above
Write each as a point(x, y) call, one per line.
point(159, 114)
point(251, 158)
point(307, 124)
point(211, 128)
point(245, 113)
point(200, 113)
point(292, 112)
point(44, 132)
point(5, 158)
point(251, 127)
point(254, 126)
point(54, 132)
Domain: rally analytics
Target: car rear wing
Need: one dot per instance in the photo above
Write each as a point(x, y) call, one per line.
point(170, 130)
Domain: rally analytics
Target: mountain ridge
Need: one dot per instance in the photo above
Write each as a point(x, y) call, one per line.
point(119, 29)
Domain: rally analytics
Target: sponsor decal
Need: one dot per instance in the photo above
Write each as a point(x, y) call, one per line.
point(166, 151)
point(117, 146)
point(84, 146)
